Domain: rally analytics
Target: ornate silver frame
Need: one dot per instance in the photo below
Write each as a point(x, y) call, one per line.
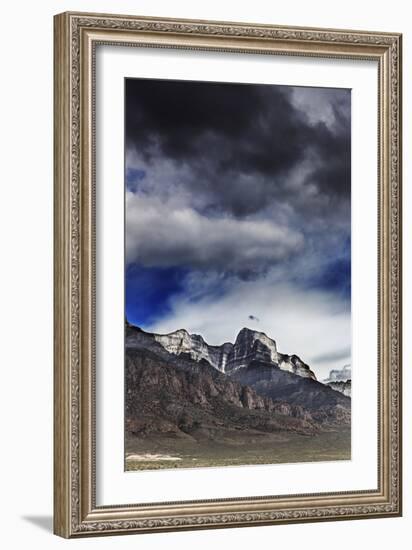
point(76, 36)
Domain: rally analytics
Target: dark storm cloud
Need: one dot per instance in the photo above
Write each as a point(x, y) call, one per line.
point(243, 144)
point(241, 179)
point(159, 235)
point(332, 172)
point(180, 116)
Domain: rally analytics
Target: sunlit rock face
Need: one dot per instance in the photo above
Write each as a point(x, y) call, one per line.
point(293, 363)
point(250, 345)
point(181, 341)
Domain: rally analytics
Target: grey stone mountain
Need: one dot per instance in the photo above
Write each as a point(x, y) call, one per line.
point(250, 345)
point(343, 374)
point(180, 388)
point(340, 380)
point(342, 386)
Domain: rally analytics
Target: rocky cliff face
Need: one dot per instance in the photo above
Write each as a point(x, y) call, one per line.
point(181, 341)
point(250, 345)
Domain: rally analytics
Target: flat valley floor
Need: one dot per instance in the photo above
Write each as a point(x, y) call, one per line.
point(279, 448)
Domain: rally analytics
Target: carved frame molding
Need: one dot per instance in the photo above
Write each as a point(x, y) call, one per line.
point(76, 36)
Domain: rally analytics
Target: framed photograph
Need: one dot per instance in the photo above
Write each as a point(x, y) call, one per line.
point(227, 274)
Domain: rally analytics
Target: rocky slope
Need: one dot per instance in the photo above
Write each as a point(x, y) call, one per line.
point(183, 398)
point(324, 403)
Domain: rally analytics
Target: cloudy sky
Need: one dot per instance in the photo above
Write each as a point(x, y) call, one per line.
point(238, 213)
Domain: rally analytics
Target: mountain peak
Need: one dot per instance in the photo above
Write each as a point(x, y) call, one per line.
point(250, 335)
point(247, 330)
point(336, 375)
point(179, 331)
point(250, 345)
